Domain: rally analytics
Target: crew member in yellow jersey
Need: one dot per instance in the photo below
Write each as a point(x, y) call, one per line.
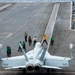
point(25, 35)
point(44, 39)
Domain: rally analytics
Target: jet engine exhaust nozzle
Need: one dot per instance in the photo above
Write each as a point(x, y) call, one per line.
point(29, 67)
point(37, 67)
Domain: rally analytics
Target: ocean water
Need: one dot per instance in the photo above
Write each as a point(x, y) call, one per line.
point(35, 0)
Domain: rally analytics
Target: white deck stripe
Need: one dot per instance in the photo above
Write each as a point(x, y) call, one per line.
point(51, 24)
point(9, 35)
point(5, 6)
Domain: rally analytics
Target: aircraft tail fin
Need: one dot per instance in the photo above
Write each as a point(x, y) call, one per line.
point(24, 52)
point(43, 54)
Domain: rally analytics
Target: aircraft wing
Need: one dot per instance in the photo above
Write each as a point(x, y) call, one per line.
point(56, 62)
point(17, 61)
point(14, 62)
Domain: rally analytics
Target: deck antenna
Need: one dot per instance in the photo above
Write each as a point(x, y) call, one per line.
point(71, 47)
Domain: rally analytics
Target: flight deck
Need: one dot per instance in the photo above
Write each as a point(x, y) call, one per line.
point(34, 18)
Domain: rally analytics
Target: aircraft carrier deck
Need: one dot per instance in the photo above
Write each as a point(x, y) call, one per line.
point(33, 19)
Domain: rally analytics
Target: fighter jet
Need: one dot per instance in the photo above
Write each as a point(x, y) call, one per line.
point(36, 59)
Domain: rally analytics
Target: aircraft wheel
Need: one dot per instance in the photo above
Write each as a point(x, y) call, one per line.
point(47, 70)
point(53, 70)
point(24, 70)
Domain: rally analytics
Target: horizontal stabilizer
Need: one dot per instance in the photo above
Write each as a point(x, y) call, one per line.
point(15, 67)
point(51, 67)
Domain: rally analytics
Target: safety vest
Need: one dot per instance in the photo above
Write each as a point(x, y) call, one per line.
point(44, 37)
